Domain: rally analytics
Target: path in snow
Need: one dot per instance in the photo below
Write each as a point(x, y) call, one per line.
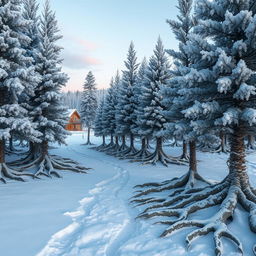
point(105, 225)
point(100, 225)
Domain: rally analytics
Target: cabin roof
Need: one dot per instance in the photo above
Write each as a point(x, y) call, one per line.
point(72, 111)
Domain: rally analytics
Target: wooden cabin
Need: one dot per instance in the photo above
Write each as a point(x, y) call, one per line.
point(75, 123)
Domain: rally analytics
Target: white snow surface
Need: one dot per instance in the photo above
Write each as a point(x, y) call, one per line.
point(90, 215)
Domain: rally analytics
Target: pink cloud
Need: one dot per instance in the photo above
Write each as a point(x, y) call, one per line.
point(79, 61)
point(85, 44)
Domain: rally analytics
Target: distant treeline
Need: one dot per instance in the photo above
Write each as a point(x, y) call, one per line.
point(72, 100)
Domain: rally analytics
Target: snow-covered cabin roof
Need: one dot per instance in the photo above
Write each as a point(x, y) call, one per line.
point(72, 111)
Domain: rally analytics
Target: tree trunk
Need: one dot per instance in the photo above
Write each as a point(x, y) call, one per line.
point(131, 141)
point(117, 140)
point(237, 162)
point(184, 151)
point(223, 142)
point(103, 140)
point(123, 140)
point(44, 147)
point(143, 144)
point(159, 144)
point(2, 154)
point(11, 143)
point(88, 135)
point(31, 147)
point(111, 139)
point(192, 156)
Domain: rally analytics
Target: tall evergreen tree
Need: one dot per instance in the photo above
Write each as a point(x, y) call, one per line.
point(139, 112)
point(113, 121)
point(109, 115)
point(48, 112)
point(89, 103)
point(223, 81)
point(99, 126)
point(181, 28)
point(152, 121)
point(30, 14)
point(126, 105)
point(17, 77)
point(176, 98)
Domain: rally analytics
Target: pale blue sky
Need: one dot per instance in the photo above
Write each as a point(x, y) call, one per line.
point(97, 34)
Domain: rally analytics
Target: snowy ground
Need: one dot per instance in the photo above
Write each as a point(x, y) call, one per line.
point(90, 215)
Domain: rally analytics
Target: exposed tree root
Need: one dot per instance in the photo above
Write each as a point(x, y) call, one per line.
point(48, 165)
point(13, 152)
point(178, 208)
point(184, 184)
point(127, 153)
point(109, 147)
point(141, 154)
point(100, 148)
point(112, 150)
point(31, 156)
point(6, 172)
point(160, 156)
point(123, 147)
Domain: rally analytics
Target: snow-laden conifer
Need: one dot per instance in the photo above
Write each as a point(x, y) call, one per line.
point(222, 79)
point(139, 112)
point(89, 103)
point(181, 28)
point(126, 105)
point(109, 115)
point(30, 14)
point(17, 78)
point(47, 110)
point(152, 120)
point(99, 126)
point(176, 98)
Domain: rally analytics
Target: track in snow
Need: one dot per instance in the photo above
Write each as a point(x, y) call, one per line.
point(101, 224)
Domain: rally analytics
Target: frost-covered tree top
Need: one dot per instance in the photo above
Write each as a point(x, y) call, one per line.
point(49, 113)
point(176, 125)
point(30, 13)
point(109, 116)
point(89, 100)
point(16, 72)
point(181, 27)
point(157, 75)
point(231, 26)
point(139, 108)
point(98, 123)
point(109, 111)
point(126, 105)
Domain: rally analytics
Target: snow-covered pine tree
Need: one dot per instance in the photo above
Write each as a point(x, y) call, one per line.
point(17, 77)
point(109, 115)
point(48, 112)
point(89, 103)
point(30, 14)
point(152, 121)
point(126, 106)
point(99, 126)
point(112, 122)
point(139, 112)
point(226, 100)
point(176, 99)
point(181, 28)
